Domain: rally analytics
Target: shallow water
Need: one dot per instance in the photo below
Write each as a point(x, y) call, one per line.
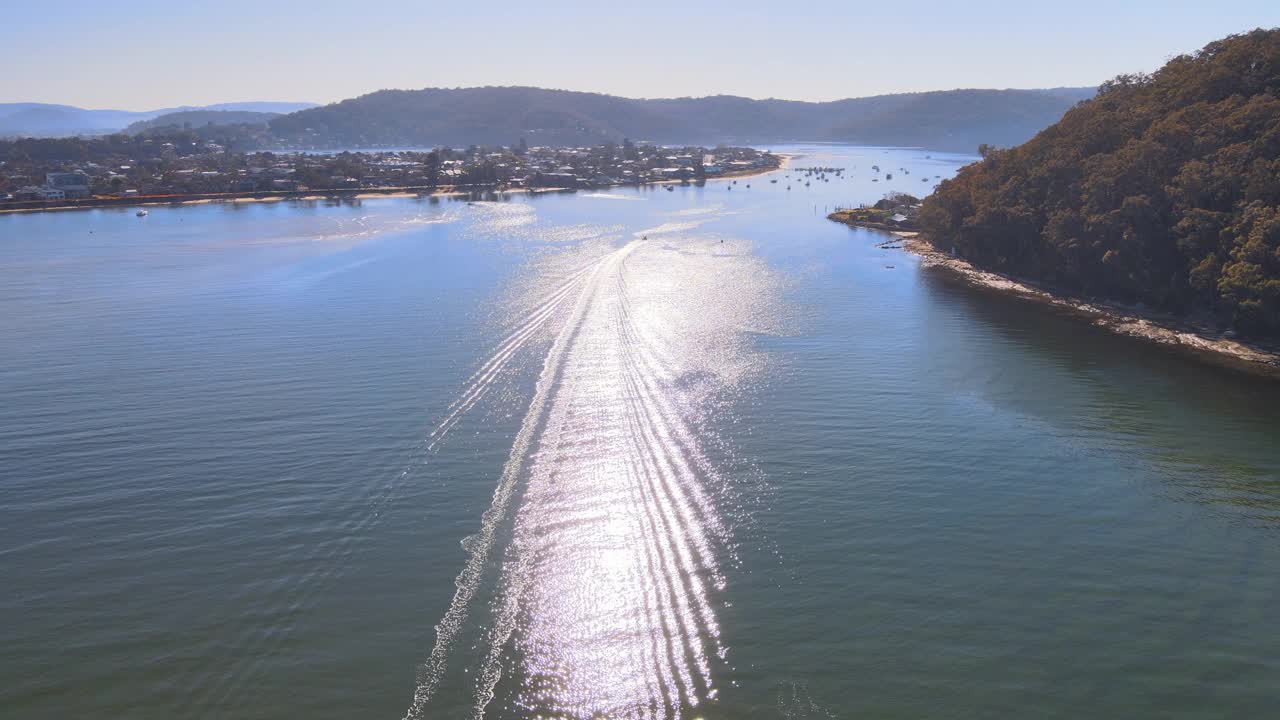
point(628, 453)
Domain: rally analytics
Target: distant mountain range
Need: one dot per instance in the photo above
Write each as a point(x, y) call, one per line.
point(945, 120)
point(45, 120)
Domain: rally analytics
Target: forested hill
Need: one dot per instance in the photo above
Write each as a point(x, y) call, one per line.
point(949, 120)
point(199, 118)
point(1163, 190)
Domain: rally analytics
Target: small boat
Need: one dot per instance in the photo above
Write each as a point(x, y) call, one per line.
point(141, 213)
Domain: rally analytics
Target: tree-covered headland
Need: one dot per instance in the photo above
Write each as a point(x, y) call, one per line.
point(1163, 190)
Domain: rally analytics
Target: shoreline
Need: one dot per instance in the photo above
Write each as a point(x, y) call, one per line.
point(353, 193)
point(1200, 342)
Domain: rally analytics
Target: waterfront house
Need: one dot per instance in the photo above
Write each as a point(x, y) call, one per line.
point(70, 184)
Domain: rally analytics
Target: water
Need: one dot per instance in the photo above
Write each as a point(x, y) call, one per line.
point(632, 453)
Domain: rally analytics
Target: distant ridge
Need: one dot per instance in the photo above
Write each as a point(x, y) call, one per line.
point(48, 120)
point(945, 120)
point(198, 118)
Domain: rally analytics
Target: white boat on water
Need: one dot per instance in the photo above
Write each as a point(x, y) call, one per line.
point(142, 213)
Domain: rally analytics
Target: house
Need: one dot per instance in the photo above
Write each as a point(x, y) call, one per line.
point(556, 179)
point(70, 184)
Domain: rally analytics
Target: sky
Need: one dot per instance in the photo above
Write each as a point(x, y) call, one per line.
point(145, 54)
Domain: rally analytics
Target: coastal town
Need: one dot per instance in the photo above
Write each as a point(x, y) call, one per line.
point(72, 172)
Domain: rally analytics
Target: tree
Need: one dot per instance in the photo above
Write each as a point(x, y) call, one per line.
point(1164, 190)
point(433, 168)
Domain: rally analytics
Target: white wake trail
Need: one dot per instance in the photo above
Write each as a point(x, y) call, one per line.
point(480, 546)
point(600, 557)
point(330, 557)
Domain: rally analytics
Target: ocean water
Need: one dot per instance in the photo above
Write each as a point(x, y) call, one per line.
point(634, 453)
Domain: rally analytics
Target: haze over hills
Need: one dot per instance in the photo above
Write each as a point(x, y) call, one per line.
point(945, 120)
point(957, 120)
point(49, 120)
point(198, 118)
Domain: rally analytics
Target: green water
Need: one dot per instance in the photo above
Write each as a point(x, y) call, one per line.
point(634, 454)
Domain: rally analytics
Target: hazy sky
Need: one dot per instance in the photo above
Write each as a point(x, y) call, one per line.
point(141, 54)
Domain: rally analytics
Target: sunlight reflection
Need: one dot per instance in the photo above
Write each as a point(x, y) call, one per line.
point(608, 591)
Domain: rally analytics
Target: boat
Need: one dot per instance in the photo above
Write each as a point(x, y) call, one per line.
point(142, 213)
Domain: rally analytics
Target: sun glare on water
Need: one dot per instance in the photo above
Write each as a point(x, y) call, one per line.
point(606, 544)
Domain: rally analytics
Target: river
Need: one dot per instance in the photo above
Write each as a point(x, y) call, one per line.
point(631, 453)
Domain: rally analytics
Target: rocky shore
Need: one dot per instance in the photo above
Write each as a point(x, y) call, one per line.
point(1203, 342)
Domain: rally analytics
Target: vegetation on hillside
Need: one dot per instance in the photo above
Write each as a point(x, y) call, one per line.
point(187, 119)
point(956, 119)
point(1163, 190)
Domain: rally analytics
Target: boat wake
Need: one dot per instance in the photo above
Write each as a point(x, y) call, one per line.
point(363, 508)
point(601, 556)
